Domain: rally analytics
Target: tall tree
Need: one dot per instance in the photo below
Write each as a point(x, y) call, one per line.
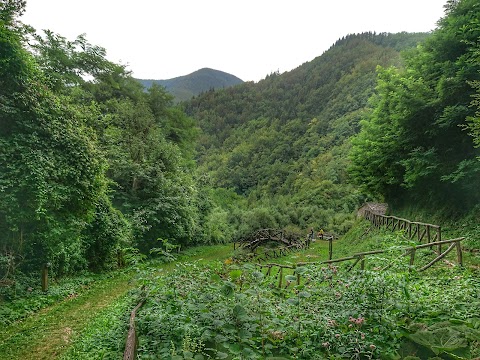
point(51, 172)
point(436, 158)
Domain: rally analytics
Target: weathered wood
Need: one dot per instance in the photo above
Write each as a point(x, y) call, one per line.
point(336, 260)
point(459, 253)
point(412, 257)
point(439, 238)
point(360, 257)
point(330, 248)
point(422, 246)
point(45, 277)
point(355, 263)
point(276, 265)
point(131, 344)
point(439, 257)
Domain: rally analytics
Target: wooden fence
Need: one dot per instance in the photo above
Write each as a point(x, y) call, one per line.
point(422, 232)
point(360, 258)
point(130, 352)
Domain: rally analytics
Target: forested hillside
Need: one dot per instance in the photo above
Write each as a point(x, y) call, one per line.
point(415, 144)
point(283, 143)
point(388, 117)
point(98, 173)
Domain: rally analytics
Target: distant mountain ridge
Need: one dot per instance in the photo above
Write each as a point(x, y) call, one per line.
point(187, 86)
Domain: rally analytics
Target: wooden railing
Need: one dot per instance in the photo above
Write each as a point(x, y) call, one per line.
point(422, 232)
point(262, 236)
point(360, 258)
point(130, 352)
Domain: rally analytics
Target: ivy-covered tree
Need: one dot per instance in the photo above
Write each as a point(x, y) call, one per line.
point(51, 170)
point(147, 142)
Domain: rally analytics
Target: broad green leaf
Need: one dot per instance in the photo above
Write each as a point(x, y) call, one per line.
point(221, 355)
point(293, 301)
point(235, 274)
point(304, 294)
point(291, 278)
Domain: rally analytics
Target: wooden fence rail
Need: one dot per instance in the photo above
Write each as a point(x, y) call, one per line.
point(360, 258)
point(130, 352)
point(423, 232)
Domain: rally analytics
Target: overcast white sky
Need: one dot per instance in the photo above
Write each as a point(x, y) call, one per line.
point(162, 39)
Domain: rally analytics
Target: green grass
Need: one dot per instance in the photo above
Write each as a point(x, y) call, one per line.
point(46, 334)
point(190, 311)
point(104, 337)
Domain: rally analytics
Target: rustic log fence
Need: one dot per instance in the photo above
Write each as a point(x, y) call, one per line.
point(262, 236)
point(422, 232)
point(361, 257)
point(130, 352)
point(288, 241)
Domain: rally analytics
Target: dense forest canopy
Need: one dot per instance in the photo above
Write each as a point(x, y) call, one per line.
point(283, 142)
point(414, 142)
point(93, 166)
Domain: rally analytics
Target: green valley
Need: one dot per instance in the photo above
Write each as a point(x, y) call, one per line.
point(122, 194)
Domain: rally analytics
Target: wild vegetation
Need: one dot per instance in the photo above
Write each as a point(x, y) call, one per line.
point(414, 143)
point(98, 173)
point(91, 166)
point(239, 311)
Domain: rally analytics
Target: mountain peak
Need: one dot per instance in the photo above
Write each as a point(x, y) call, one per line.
point(186, 86)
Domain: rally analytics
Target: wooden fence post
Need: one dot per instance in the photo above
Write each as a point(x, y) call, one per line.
point(130, 352)
point(439, 232)
point(330, 248)
point(45, 277)
point(412, 257)
point(459, 253)
point(281, 278)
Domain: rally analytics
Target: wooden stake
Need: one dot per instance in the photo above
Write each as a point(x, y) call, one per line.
point(330, 248)
point(459, 253)
point(45, 278)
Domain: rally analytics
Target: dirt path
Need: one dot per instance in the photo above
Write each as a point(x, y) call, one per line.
point(47, 334)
